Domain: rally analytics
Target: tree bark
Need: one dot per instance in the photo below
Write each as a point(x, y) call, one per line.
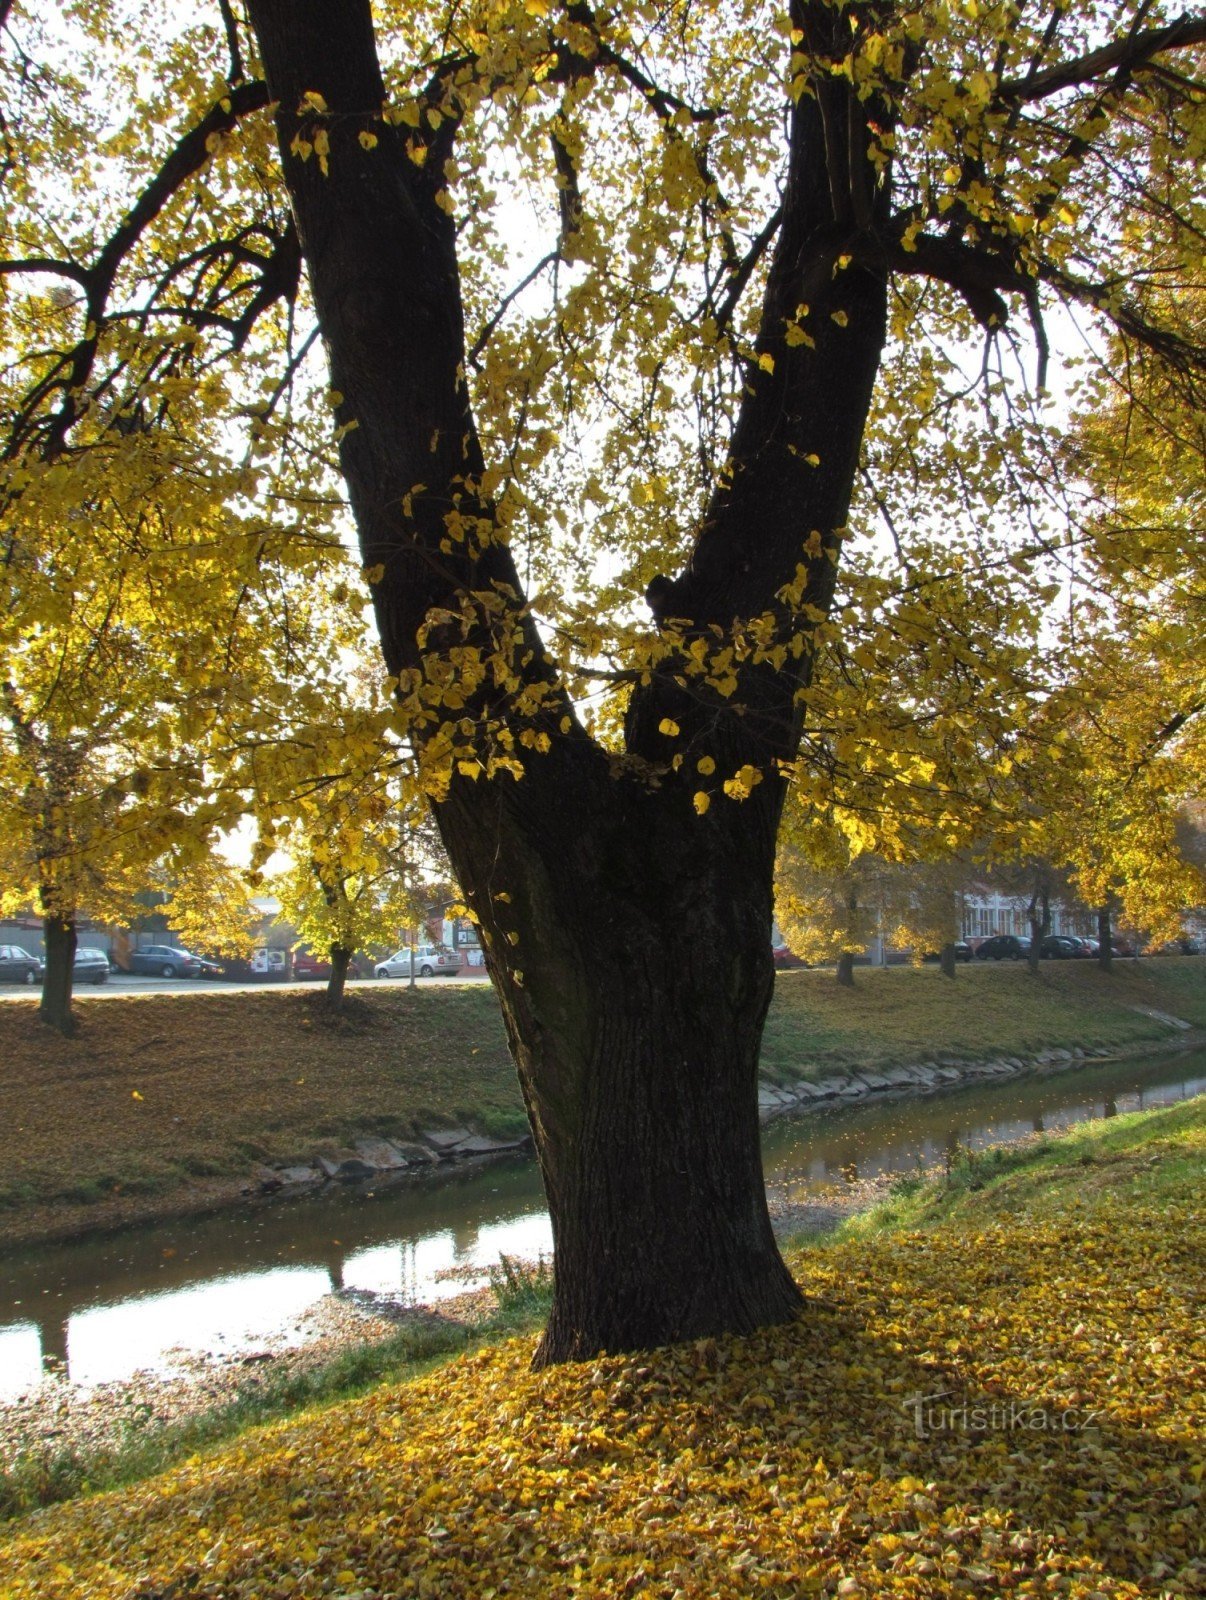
point(946, 960)
point(1105, 942)
point(845, 969)
point(60, 938)
point(336, 983)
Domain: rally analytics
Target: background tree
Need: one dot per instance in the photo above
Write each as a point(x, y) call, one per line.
point(827, 895)
point(358, 857)
point(924, 907)
point(149, 667)
point(772, 252)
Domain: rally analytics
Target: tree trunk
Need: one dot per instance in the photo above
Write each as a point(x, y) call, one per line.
point(660, 1225)
point(1039, 913)
point(634, 984)
point(1105, 942)
point(845, 969)
point(55, 1009)
point(340, 960)
point(946, 960)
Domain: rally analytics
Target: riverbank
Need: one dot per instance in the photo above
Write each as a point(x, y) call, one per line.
point(936, 1424)
point(164, 1106)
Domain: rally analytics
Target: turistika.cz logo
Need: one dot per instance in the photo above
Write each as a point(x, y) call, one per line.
point(937, 1414)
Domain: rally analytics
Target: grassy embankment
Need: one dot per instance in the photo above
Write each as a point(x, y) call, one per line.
point(176, 1097)
point(1051, 1296)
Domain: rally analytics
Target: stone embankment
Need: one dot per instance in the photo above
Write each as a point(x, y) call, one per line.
point(943, 1071)
point(375, 1158)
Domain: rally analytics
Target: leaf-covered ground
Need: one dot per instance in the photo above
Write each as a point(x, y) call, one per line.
point(784, 1464)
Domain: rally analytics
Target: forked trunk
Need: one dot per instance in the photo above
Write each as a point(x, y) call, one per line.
point(1105, 941)
point(336, 983)
point(55, 1009)
point(845, 969)
point(624, 898)
point(946, 960)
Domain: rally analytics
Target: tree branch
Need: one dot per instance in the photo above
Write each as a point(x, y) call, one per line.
point(50, 264)
point(191, 151)
point(1131, 54)
point(236, 73)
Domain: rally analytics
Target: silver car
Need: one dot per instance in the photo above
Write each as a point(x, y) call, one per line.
point(430, 959)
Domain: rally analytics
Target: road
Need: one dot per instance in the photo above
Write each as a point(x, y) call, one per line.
point(124, 983)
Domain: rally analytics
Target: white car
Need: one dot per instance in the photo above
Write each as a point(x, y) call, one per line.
point(429, 960)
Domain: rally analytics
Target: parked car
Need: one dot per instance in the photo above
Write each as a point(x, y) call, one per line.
point(165, 961)
point(211, 969)
point(307, 965)
point(429, 960)
point(963, 952)
point(90, 966)
point(18, 966)
point(1060, 947)
point(1088, 947)
point(1003, 947)
point(783, 957)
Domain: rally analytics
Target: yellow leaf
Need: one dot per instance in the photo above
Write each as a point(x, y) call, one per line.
point(702, 801)
point(669, 727)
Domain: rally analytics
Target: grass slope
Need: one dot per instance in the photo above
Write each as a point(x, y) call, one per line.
point(901, 1014)
point(1059, 1316)
point(164, 1093)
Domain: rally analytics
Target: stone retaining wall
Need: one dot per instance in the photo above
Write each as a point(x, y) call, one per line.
point(376, 1158)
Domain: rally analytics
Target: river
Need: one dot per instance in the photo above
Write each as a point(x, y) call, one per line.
point(107, 1306)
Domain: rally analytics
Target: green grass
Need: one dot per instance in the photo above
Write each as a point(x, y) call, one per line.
point(902, 1014)
point(46, 1476)
point(1147, 1157)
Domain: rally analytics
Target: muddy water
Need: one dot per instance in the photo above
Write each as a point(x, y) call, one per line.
point(146, 1298)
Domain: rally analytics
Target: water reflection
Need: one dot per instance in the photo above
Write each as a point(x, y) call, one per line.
point(814, 1154)
point(104, 1308)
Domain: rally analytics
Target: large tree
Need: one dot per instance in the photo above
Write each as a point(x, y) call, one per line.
point(781, 258)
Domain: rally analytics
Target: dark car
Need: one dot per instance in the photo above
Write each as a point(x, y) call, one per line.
point(307, 965)
point(1003, 947)
point(90, 966)
point(18, 966)
point(165, 961)
point(1060, 947)
point(963, 952)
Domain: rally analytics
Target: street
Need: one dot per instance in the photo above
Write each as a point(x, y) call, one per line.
point(123, 983)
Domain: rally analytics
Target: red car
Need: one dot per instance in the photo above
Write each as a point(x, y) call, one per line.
point(786, 958)
point(307, 965)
